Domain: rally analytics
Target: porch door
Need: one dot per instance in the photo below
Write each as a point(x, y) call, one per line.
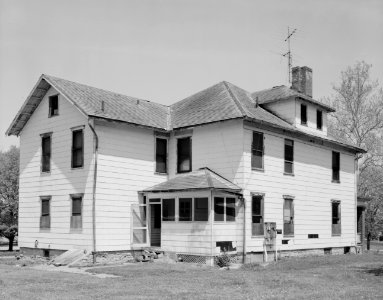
point(155, 224)
point(139, 225)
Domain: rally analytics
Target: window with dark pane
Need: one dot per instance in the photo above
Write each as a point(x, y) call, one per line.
point(303, 114)
point(76, 218)
point(45, 218)
point(185, 209)
point(53, 105)
point(161, 155)
point(257, 151)
point(336, 219)
point(77, 148)
point(335, 166)
point(201, 209)
point(319, 119)
point(257, 215)
point(219, 209)
point(46, 153)
point(168, 209)
point(230, 209)
point(184, 155)
point(289, 156)
point(288, 217)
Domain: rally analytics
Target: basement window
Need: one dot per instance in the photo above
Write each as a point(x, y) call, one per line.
point(53, 105)
point(313, 236)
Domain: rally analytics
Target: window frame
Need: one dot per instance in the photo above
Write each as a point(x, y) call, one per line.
point(333, 168)
point(288, 161)
point(319, 124)
point(191, 209)
point(262, 215)
point(292, 215)
point(262, 151)
point(156, 171)
point(339, 218)
point(224, 214)
point(48, 216)
point(174, 212)
point(44, 136)
point(178, 171)
point(50, 98)
point(304, 113)
point(75, 130)
point(195, 207)
point(74, 218)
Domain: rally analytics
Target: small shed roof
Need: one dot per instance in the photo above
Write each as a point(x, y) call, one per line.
point(200, 179)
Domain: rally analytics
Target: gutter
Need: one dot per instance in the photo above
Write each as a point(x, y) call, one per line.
point(95, 154)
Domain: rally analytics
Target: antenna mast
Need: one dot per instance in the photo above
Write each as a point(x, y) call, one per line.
point(288, 53)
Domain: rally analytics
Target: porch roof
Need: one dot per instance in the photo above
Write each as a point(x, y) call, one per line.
point(200, 179)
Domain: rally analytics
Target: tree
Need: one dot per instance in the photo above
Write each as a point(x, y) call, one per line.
point(358, 101)
point(9, 194)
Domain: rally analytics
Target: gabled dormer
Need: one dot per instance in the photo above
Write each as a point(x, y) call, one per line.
point(296, 104)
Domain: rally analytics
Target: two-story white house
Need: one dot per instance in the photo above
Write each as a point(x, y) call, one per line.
point(105, 172)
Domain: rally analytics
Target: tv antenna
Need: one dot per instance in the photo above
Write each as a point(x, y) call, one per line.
point(288, 53)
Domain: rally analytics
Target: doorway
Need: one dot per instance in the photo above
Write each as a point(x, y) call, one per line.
point(155, 224)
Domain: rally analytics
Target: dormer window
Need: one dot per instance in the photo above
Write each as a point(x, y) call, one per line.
point(303, 114)
point(53, 105)
point(319, 120)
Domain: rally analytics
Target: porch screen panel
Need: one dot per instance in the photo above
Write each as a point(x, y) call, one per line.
point(201, 209)
point(168, 209)
point(185, 209)
point(139, 224)
point(230, 209)
point(219, 209)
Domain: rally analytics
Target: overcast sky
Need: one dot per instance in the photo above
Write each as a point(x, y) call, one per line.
point(164, 51)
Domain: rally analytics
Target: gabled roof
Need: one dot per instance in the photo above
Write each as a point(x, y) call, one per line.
point(223, 101)
point(280, 93)
point(200, 179)
point(89, 101)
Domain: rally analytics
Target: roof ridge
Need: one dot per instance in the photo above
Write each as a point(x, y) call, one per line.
point(236, 101)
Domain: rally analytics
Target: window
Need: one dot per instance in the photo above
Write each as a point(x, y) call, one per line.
point(289, 156)
point(230, 209)
point(288, 217)
point(257, 215)
point(185, 209)
point(184, 155)
point(45, 219)
point(335, 166)
point(336, 220)
point(201, 209)
point(168, 209)
point(303, 114)
point(161, 155)
point(257, 151)
point(46, 153)
point(53, 105)
point(76, 218)
point(319, 119)
point(77, 148)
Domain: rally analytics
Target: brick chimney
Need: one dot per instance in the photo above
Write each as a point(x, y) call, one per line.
point(303, 80)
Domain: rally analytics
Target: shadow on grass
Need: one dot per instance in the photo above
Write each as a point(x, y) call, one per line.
point(373, 270)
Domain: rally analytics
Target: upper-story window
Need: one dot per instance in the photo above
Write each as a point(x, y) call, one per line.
point(289, 156)
point(53, 105)
point(46, 142)
point(77, 148)
point(257, 151)
point(184, 160)
point(335, 166)
point(257, 215)
point(319, 119)
point(303, 114)
point(161, 155)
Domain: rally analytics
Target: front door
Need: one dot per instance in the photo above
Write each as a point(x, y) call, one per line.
point(155, 224)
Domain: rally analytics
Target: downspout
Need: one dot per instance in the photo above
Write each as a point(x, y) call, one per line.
point(95, 154)
point(211, 227)
point(244, 232)
point(356, 171)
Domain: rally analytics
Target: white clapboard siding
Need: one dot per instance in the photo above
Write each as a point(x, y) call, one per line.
point(312, 188)
point(126, 165)
point(59, 183)
point(283, 109)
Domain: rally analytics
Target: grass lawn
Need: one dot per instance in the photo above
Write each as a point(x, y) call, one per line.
point(326, 277)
